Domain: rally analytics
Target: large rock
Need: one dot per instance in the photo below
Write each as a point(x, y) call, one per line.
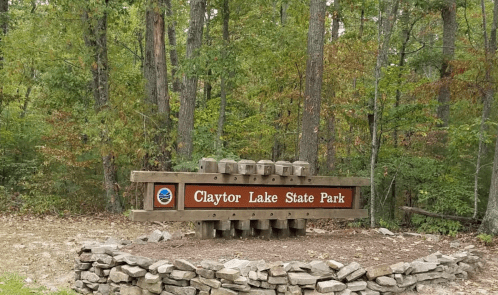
point(153, 267)
point(196, 283)
point(385, 231)
point(182, 275)
point(378, 271)
point(180, 290)
point(278, 280)
point(212, 265)
point(210, 282)
point(356, 274)
point(228, 274)
point(155, 236)
point(151, 278)
point(357, 286)
point(428, 276)
point(183, 264)
point(301, 278)
point(240, 265)
point(348, 269)
point(223, 291)
point(293, 290)
point(278, 271)
point(237, 287)
point(205, 273)
point(260, 292)
point(330, 286)
point(334, 264)
point(130, 290)
point(89, 276)
point(155, 288)
point(133, 271)
point(419, 266)
point(165, 268)
point(118, 276)
point(132, 260)
point(179, 283)
point(406, 281)
point(385, 281)
point(383, 289)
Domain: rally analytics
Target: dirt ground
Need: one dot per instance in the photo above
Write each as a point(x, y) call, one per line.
point(43, 249)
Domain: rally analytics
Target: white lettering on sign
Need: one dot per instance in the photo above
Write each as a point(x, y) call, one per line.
point(291, 197)
point(203, 196)
point(331, 199)
point(266, 198)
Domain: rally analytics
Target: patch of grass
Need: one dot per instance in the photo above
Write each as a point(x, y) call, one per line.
point(13, 284)
point(486, 239)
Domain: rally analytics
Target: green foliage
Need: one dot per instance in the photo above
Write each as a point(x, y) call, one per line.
point(485, 239)
point(13, 284)
point(436, 225)
point(389, 224)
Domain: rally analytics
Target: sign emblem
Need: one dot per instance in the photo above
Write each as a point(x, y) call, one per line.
point(164, 196)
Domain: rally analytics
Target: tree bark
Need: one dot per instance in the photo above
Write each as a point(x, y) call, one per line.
point(224, 87)
point(384, 37)
point(308, 150)
point(95, 36)
point(448, 13)
point(173, 55)
point(189, 89)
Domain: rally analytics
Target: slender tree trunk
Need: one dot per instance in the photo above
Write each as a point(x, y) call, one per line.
point(312, 94)
point(488, 93)
point(448, 14)
point(208, 88)
point(224, 87)
point(96, 39)
point(189, 88)
point(384, 37)
point(173, 55)
point(489, 223)
point(4, 24)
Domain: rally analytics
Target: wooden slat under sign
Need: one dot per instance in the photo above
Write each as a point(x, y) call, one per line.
point(190, 215)
point(218, 178)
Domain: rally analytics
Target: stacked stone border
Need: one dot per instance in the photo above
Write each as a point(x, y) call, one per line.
point(104, 269)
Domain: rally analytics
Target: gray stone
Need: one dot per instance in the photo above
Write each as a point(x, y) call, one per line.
point(167, 236)
point(182, 275)
point(368, 292)
point(428, 276)
point(179, 283)
point(103, 258)
point(203, 293)
point(460, 256)
point(345, 271)
point(297, 266)
point(301, 278)
point(293, 290)
point(118, 276)
point(151, 279)
point(334, 264)
point(455, 244)
point(419, 267)
point(183, 264)
point(407, 281)
point(180, 290)
point(155, 236)
point(89, 276)
point(205, 273)
point(260, 292)
point(376, 287)
point(153, 267)
point(223, 291)
point(378, 271)
point(278, 280)
point(155, 288)
point(344, 292)
point(210, 282)
point(104, 289)
point(130, 290)
point(385, 232)
point(212, 265)
point(277, 271)
point(282, 288)
point(133, 271)
point(385, 281)
point(228, 274)
point(132, 260)
point(466, 267)
point(357, 286)
point(266, 285)
point(241, 280)
point(262, 275)
point(400, 267)
point(82, 265)
point(240, 265)
point(167, 293)
point(236, 287)
point(355, 275)
point(196, 283)
point(315, 292)
point(254, 283)
point(330, 286)
point(165, 268)
point(252, 275)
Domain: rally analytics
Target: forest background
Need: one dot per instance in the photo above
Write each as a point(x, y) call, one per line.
point(91, 90)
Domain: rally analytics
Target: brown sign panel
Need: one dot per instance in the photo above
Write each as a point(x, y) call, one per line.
point(237, 196)
point(164, 195)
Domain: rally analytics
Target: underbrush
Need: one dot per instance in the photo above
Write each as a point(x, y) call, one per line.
point(13, 284)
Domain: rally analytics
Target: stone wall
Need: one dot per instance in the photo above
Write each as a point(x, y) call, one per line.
point(104, 269)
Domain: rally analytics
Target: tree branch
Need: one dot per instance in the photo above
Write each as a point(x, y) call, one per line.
point(437, 215)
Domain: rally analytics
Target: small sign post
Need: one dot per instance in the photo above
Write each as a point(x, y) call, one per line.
point(233, 204)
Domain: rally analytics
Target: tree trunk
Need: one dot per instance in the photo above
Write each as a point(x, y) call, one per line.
point(488, 94)
point(189, 89)
point(4, 24)
point(385, 29)
point(95, 37)
point(224, 88)
point(173, 55)
point(308, 150)
point(448, 13)
point(489, 223)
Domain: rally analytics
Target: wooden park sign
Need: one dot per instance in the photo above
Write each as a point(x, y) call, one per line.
point(247, 194)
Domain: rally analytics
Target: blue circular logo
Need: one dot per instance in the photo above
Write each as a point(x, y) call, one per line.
point(164, 196)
